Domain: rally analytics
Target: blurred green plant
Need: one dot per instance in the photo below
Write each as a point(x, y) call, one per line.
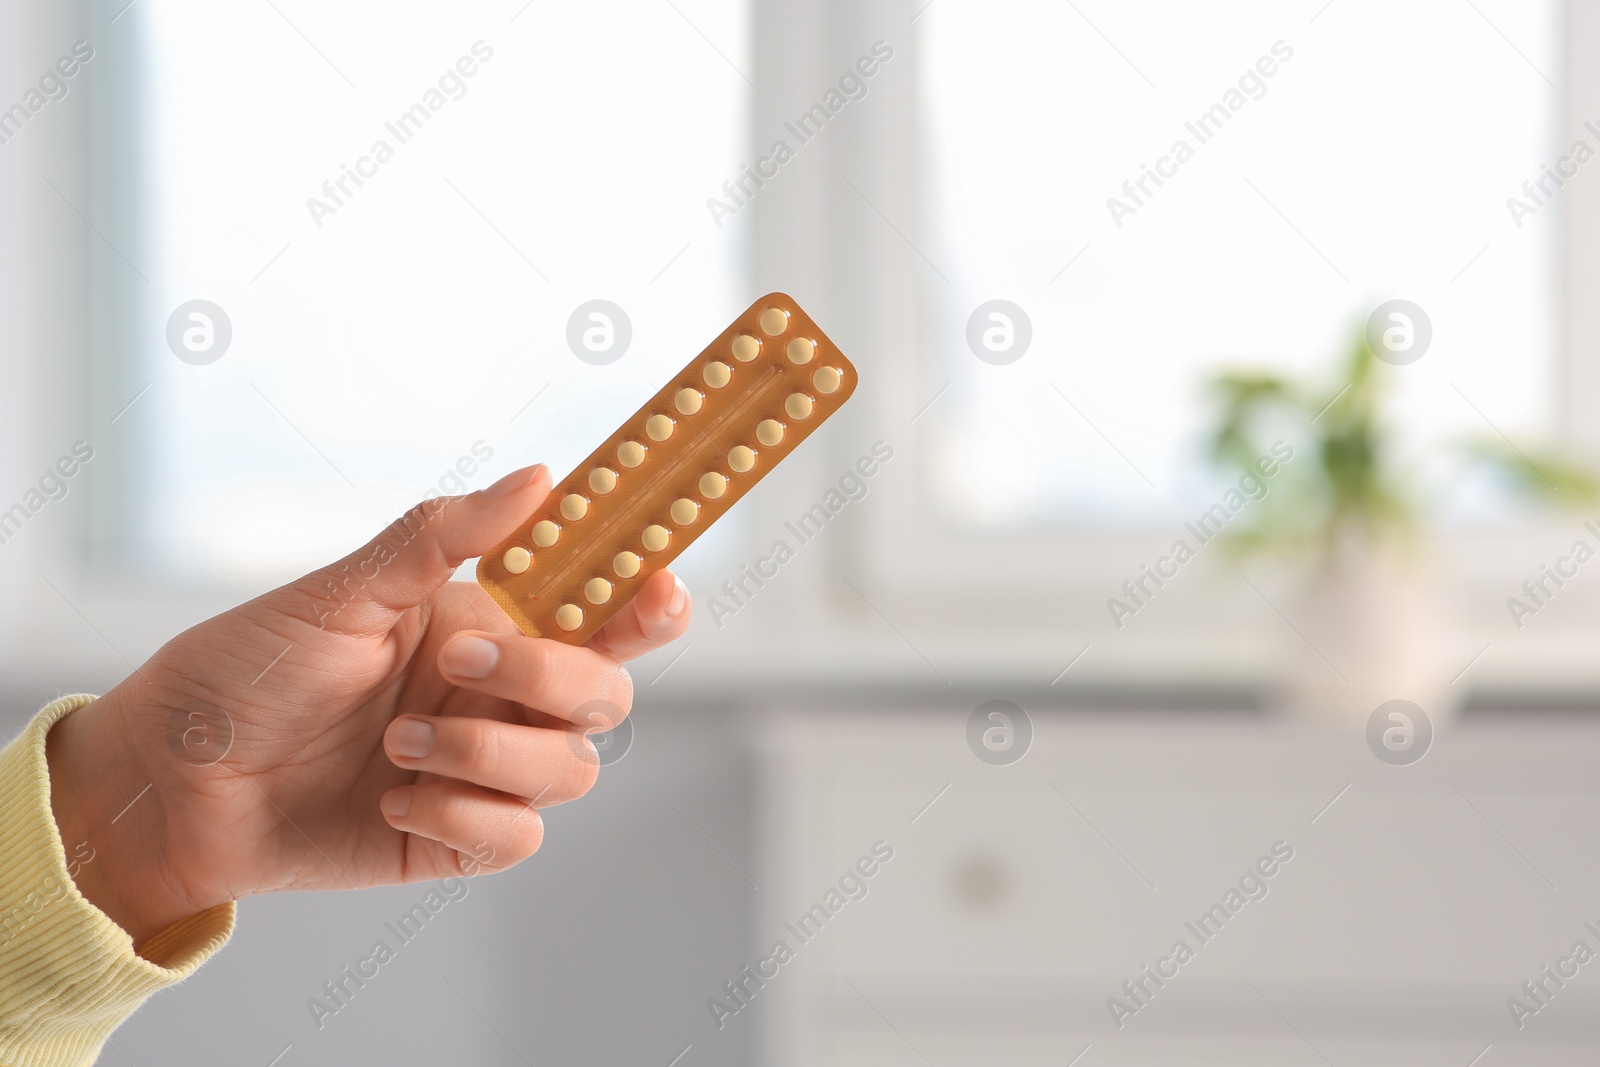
point(1349, 493)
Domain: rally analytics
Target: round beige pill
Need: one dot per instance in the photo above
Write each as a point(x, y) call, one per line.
point(569, 617)
point(798, 406)
point(712, 485)
point(717, 374)
point(826, 380)
point(630, 454)
point(688, 401)
point(625, 564)
point(774, 321)
point(655, 538)
point(746, 348)
point(574, 507)
point(545, 533)
point(801, 351)
point(659, 427)
point(684, 511)
point(517, 560)
point(769, 432)
point(602, 480)
point(597, 590)
point(741, 458)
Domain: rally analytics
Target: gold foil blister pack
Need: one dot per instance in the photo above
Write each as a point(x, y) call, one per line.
point(669, 472)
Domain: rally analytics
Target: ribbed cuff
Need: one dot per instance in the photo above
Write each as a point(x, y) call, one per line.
point(68, 974)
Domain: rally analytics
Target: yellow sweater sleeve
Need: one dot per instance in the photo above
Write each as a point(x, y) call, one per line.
point(68, 974)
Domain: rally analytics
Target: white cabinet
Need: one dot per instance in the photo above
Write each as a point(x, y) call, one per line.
point(1018, 903)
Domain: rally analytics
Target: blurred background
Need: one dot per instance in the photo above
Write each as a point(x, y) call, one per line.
point(1306, 288)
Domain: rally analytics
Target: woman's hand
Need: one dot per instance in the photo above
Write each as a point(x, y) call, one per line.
point(370, 723)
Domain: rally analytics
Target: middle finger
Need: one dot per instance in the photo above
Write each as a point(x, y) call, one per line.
point(582, 686)
point(544, 766)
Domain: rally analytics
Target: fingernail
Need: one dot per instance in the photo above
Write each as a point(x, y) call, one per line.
point(411, 738)
point(515, 481)
point(467, 656)
point(680, 598)
point(396, 803)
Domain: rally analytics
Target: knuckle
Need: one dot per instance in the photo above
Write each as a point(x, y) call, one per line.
point(610, 703)
point(481, 859)
point(573, 767)
point(454, 808)
point(478, 750)
point(417, 520)
point(542, 670)
point(582, 771)
point(622, 685)
point(519, 841)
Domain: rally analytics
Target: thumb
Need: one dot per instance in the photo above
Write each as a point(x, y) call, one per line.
point(417, 553)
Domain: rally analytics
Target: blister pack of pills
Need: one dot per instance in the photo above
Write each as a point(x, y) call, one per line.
point(670, 471)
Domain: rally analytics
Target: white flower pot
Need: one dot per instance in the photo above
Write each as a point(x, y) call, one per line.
point(1371, 630)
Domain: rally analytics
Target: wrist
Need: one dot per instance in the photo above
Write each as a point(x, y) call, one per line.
point(109, 810)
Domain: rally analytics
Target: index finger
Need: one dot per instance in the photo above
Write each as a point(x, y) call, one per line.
point(657, 615)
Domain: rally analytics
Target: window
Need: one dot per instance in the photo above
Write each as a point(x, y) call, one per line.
point(397, 217)
point(421, 319)
point(1297, 196)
